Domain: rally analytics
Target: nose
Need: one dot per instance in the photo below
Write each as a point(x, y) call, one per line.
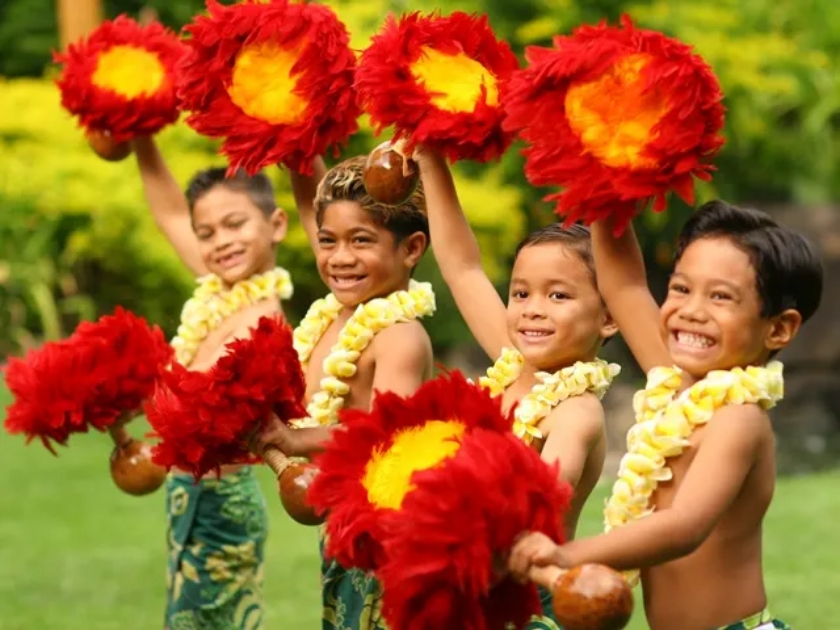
point(342, 256)
point(693, 309)
point(534, 308)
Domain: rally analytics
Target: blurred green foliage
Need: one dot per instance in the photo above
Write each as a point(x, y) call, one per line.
point(76, 238)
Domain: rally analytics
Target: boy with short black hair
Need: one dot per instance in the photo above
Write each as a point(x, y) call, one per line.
point(226, 231)
point(362, 338)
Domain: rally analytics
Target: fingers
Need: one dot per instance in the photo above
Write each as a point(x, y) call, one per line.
point(532, 549)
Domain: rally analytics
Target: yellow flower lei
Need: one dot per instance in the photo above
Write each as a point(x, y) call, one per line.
point(367, 320)
point(550, 390)
point(665, 422)
point(211, 304)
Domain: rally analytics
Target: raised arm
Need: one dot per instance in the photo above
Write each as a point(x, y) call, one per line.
point(304, 188)
point(622, 282)
point(167, 203)
point(459, 258)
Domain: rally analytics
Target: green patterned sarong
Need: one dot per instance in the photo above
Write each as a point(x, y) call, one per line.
point(759, 621)
point(545, 621)
point(352, 599)
point(216, 536)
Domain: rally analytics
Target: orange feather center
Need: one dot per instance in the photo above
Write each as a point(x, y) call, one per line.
point(614, 115)
point(129, 71)
point(387, 476)
point(457, 82)
point(263, 84)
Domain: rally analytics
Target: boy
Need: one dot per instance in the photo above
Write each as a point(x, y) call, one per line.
point(364, 337)
point(556, 321)
point(742, 286)
point(226, 232)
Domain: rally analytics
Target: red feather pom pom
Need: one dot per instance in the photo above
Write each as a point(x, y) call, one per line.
point(204, 419)
point(354, 526)
point(440, 551)
point(274, 78)
point(617, 117)
point(440, 81)
point(121, 78)
point(103, 369)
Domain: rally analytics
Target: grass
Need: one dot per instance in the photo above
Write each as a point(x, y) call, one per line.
point(76, 554)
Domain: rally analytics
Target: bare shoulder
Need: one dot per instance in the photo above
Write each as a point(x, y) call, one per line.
point(744, 425)
point(580, 414)
point(409, 338)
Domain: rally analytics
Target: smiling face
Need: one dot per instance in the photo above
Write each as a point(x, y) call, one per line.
point(712, 314)
point(555, 314)
point(236, 239)
point(359, 259)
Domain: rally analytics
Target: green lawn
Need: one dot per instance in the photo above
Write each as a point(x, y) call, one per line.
point(76, 554)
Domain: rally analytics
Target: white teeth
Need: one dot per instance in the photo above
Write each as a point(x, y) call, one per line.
point(694, 340)
point(347, 280)
point(535, 333)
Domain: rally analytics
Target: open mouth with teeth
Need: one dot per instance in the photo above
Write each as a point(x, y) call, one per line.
point(346, 281)
point(230, 260)
point(535, 334)
point(694, 341)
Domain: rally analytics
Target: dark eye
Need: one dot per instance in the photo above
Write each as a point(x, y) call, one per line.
point(721, 296)
point(676, 287)
point(324, 241)
point(203, 236)
point(235, 225)
point(362, 239)
point(559, 295)
point(519, 295)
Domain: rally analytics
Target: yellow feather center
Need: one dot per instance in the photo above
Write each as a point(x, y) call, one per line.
point(614, 115)
point(263, 84)
point(387, 477)
point(455, 81)
point(129, 71)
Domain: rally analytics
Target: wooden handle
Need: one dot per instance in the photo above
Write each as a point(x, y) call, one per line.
point(545, 576)
point(120, 435)
point(276, 460)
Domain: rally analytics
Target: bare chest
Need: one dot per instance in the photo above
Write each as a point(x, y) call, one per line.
point(666, 491)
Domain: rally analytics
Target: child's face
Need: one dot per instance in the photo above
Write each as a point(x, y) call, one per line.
point(358, 259)
point(235, 238)
point(555, 315)
point(712, 314)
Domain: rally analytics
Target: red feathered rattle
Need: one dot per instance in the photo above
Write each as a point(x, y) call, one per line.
point(617, 117)
point(120, 83)
point(431, 492)
point(204, 419)
point(274, 78)
point(99, 378)
point(440, 81)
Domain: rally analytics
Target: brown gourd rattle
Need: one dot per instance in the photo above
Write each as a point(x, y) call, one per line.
point(587, 597)
point(104, 146)
point(132, 468)
point(293, 481)
point(390, 177)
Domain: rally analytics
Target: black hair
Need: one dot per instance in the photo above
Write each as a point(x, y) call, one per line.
point(788, 270)
point(576, 237)
point(258, 187)
point(344, 182)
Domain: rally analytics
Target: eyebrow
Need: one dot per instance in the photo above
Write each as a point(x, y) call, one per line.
point(730, 285)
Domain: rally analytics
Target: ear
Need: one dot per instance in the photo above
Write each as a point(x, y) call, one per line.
point(783, 329)
point(279, 223)
point(415, 246)
point(608, 326)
